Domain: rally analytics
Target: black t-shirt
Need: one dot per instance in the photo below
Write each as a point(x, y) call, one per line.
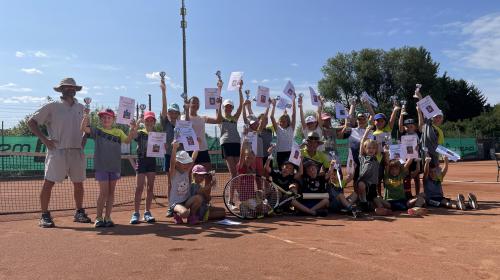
point(282, 181)
point(313, 185)
point(142, 143)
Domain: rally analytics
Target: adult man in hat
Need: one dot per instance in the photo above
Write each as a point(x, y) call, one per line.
point(64, 144)
point(311, 152)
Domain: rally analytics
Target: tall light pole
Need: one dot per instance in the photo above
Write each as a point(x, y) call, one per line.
point(183, 27)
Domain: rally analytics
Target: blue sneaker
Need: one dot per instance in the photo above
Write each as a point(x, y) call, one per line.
point(148, 218)
point(135, 218)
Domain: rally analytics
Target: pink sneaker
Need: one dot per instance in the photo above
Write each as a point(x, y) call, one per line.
point(178, 220)
point(193, 220)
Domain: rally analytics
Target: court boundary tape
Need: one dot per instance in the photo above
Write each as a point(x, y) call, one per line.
point(471, 181)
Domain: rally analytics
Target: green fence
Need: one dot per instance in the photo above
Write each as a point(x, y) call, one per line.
point(466, 147)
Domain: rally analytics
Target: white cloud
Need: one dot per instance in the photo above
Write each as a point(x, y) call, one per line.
point(254, 82)
point(14, 88)
point(40, 54)
point(294, 64)
point(22, 99)
point(31, 71)
point(20, 54)
point(260, 82)
point(122, 87)
point(483, 42)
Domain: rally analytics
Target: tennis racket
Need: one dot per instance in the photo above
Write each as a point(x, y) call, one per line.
point(249, 196)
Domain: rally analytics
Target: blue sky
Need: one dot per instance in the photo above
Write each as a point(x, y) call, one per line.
point(113, 48)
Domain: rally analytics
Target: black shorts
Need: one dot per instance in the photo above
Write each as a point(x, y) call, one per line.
point(203, 157)
point(145, 165)
point(231, 150)
point(281, 157)
point(398, 205)
point(371, 191)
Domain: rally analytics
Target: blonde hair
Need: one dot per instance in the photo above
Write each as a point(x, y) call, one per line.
point(367, 143)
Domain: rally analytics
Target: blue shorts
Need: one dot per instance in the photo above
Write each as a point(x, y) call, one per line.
point(398, 205)
point(335, 205)
point(166, 165)
point(106, 176)
point(310, 203)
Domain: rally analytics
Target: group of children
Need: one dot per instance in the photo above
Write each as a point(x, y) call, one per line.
point(190, 179)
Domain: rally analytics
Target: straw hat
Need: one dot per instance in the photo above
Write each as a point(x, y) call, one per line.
point(67, 82)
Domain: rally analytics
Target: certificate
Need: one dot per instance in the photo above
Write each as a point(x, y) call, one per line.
point(185, 134)
point(448, 153)
point(365, 96)
point(314, 97)
point(156, 144)
point(211, 95)
point(340, 111)
point(289, 90)
point(350, 165)
point(262, 96)
point(295, 156)
point(284, 103)
point(234, 81)
point(428, 107)
point(126, 109)
point(409, 146)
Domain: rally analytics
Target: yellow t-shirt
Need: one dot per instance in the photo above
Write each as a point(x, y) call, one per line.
point(440, 135)
point(115, 132)
point(319, 157)
point(386, 129)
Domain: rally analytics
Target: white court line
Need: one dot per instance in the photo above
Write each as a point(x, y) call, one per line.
point(376, 267)
point(471, 181)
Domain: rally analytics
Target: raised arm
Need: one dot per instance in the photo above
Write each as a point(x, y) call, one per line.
point(394, 114)
point(238, 112)
point(400, 122)
point(242, 149)
point(246, 105)
point(175, 146)
point(352, 113)
point(262, 126)
point(163, 99)
point(85, 124)
point(273, 120)
point(365, 135)
point(320, 110)
point(301, 111)
point(132, 132)
point(407, 164)
point(267, 166)
point(420, 119)
point(299, 173)
point(294, 113)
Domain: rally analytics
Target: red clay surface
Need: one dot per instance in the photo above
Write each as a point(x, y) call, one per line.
point(446, 244)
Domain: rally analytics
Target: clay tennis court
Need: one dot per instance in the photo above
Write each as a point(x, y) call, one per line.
point(446, 244)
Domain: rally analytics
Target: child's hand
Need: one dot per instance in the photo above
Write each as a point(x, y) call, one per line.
point(428, 159)
point(386, 148)
point(133, 124)
point(273, 102)
point(175, 144)
point(218, 100)
point(270, 149)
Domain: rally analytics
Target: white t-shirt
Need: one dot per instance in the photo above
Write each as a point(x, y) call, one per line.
point(284, 139)
point(318, 130)
point(198, 124)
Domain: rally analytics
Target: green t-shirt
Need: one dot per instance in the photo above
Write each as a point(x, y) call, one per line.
point(393, 186)
point(318, 156)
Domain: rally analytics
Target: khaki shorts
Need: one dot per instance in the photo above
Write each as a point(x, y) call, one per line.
point(60, 163)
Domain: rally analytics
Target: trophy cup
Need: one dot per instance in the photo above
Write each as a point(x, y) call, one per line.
point(403, 106)
point(417, 94)
point(162, 76)
point(87, 101)
point(184, 96)
point(247, 93)
point(142, 107)
point(387, 140)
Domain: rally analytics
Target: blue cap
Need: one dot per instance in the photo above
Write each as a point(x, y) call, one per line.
point(173, 107)
point(379, 116)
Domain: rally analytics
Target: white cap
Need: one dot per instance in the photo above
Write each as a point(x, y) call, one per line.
point(183, 157)
point(311, 119)
point(227, 102)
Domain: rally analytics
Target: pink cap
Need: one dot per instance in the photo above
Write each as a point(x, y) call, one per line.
point(107, 112)
point(199, 169)
point(149, 115)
